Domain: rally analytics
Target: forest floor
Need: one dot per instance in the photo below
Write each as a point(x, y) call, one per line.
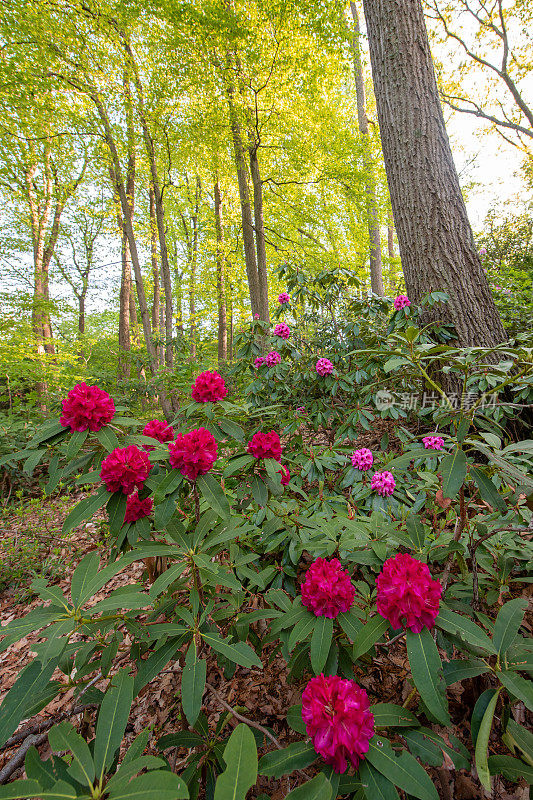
point(263, 696)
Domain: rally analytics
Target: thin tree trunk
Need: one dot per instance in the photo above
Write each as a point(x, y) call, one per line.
point(246, 211)
point(156, 303)
point(259, 232)
point(221, 278)
point(230, 339)
point(434, 234)
point(376, 268)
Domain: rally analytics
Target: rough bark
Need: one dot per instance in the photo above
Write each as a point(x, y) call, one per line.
point(156, 303)
point(372, 209)
point(221, 278)
point(434, 234)
point(259, 227)
point(250, 258)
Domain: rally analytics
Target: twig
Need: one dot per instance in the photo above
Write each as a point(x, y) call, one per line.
point(18, 759)
point(249, 722)
point(39, 727)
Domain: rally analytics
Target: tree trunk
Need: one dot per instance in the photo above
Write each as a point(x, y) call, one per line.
point(259, 233)
point(221, 278)
point(246, 211)
point(372, 208)
point(434, 234)
point(156, 303)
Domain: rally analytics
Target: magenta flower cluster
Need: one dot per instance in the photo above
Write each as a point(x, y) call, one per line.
point(282, 330)
point(407, 595)
point(272, 358)
point(383, 483)
point(259, 361)
point(327, 590)
point(433, 442)
point(324, 366)
point(402, 301)
point(283, 298)
point(362, 459)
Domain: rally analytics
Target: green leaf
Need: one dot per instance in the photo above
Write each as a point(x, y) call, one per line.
point(259, 491)
point(75, 443)
point(488, 490)
point(518, 686)
point(521, 737)
point(281, 762)
point(30, 684)
point(401, 463)
point(237, 464)
point(20, 789)
point(415, 529)
point(464, 628)
point(149, 667)
point(112, 720)
point(403, 770)
point(240, 755)
point(82, 577)
point(301, 630)
point(319, 788)
point(85, 509)
point(508, 623)
point(453, 470)
point(240, 654)
point(459, 669)
point(107, 438)
point(294, 719)
point(350, 624)
point(321, 643)
point(160, 784)
point(193, 684)
point(64, 737)
point(231, 428)
point(167, 485)
point(116, 510)
point(214, 496)
point(34, 621)
point(389, 715)
point(482, 742)
point(370, 633)
point(32, 461)
point(511, 768)
point(376, 785)
point(426, 669)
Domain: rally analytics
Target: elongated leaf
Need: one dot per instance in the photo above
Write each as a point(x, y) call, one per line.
point(453, 470)
point(237, 464)
point(426, 669)
point(107, 438)
point(231, 428)
point(32, 461)
point(294, 719)
point(367, 637)
point(415, 529)
point(75, 443)
point(20, 789)
point(488, 490)
point(301, 630)
point(82, 577)
point(65, 737)
point(376, 785)
point(165, 579)
point(458, 670)
point(403, 770)
point(214, 496)
point(19, 628)
point(149, 667)
point(389, 715)
point(281, 762)
point(401, 463)
point(116, 510)
point(461, 626)
point(193, 684)
point(85, 509)
point(511, 768)
point(240, 774)
point(482, 742)
point(259, 491)
point(350, 624)
point(240, 654)
point(112, 720)
point(30, 684)
point(518, 686)
point(508, 623)
point(521, 737)
point(160, 784)
point(321, 643)
point(319, 788)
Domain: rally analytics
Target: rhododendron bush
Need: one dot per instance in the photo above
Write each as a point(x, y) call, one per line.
point(379, 573)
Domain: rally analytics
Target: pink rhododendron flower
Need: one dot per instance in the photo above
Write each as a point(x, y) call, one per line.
point(499, 288)
point(324, 366)
point(383, 483)
point(259, 361)
point(193, 453)
point(338, 720)
point(273, 358)
point(136, 508)
point(300, 409)
point(401, 301)
point(433, 442)
point(283, 298)
point(285, 475)
point(483, 251)
point(362, 459)
point(327, 590)
point(126, 469)
point(256, 316)
point(282, 330)
point(159, 430)
point(407, 595)
point(208, 387)
point(265, 445)
point(87, 408)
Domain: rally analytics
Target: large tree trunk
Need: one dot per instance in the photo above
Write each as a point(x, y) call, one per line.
point(221, 278)
point(434, 234)
point(246, 211)
point(262, 274)
point(372, 209)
